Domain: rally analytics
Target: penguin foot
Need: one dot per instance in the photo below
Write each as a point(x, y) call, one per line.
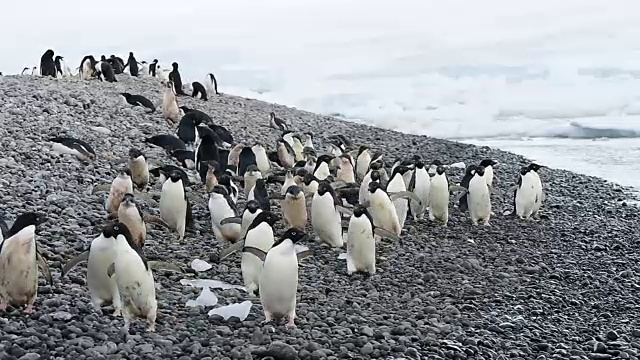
point(290, 324)
point(486, 223)
point(29, 309)
point(117, 312)
point(152, 327)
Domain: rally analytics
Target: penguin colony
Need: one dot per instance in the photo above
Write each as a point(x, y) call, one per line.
point(344, 195)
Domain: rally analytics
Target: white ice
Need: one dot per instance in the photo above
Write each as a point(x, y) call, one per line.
point(213, 284)
point(239, 310)
point(206, 298)
point(342, 256)
point(200, 265)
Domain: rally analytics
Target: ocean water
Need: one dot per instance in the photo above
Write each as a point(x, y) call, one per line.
point(556, 81)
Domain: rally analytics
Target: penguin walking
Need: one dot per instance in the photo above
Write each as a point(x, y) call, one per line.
point(325, 215)
point(439, 197)
point(101, 254)
point(361, 241)
point(294, 207)
point(120, 186)
point(478, 198)
point(175, 208)
point(19, 261)
point(134, 279)
point(278, 282)
point(139, 168)
point(139, 100)
point(176, 79)
point(259, 236)
point(170, 109)
point(221, 206)
point(420, 185)
point(199, 91)
point(47, 64)
point(132, 64)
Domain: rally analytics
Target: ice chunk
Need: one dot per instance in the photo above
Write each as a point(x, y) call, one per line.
point(342, 256)
point(206, 298)
point(213, 284)
point(459, 165)
point(239, 310)
point(200, 265)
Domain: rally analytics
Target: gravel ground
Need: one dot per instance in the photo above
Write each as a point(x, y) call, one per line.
point(563, 287)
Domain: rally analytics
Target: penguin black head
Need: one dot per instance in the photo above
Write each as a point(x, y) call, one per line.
point(308, 179)
point(488, 162)
point(375, 166)
point(130, 54)
point(58, 58)
point(295, 235)
point(294, 190)
point(440, 170)
point(155, 61)
point(480, 170)
point(309, 151)
point(400, 169)
point(122, 229)
point(535, 167)
point(524, 170)
point(125, 171)
point(175, 176)
point(261, 184)
point(253, 206)
point(419, 164)
point(128, 198)
point(24, 220)
point(103, 58)
point(324, 187)
point(297, 136)
point(49, 53)
point(224, 180)
point(324, 158)
point(301, 172)
point(267, 216)
point(374, 186)
point(175, 66)
point(362, 149)
point(185, 109)
point(359, 210)
point(126, 95)
point(375, 175)
point(272, 115)
point(470, 170)
point(135, 153)
point(219, 189)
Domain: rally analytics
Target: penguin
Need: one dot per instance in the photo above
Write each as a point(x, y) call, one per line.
point(34, 71)
point(139, 100)
point(246, 158)
point(362, 161)
point(130, 215)
point(222, 133)
point(382, 210)
point(47, 64)
point(59, 63)
point(232, 189)
point(372, 175)
point(200, 116)
point(120, 186)
point(250, 177)
point(19, 261)
point(100, 255)
point(175, 208)
point(308, 140)
point(23, 70)
point(252, 209)
point(310, 164)
point(260, 194)
point(488, 165)
point(310, 184)
point(132, 64)
point(525, 196)
point(68, 145)
point(294, 207)
point(162, 173)
point(169, 143)
point(361, 241)
point(138, 168)
point(289, 180)
point(134, 279)
point(534, 168)
point(206, 150)
point(262, 160)
point(469, 173)
point(277, 123)
point(259, 236)
point(278, 282)
point(221, 206)
point(176, 79)
point(153, 67)
point(212, 84)
point(325, 215)
point(187, 131)
point(478, 198)
point(419, 184)
point(349, 193)
point(286, 154)
point(346, 170)
point(297, 147)
point(115, 64)
point(322, 171)
point(439, 197)
point(106, 72)
point(170, 109)
point(199, 91)
point(87, 67)
point(396, 185)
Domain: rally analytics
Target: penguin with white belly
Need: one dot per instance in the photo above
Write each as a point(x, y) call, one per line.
point(419, 184)
point(488, 165)
point(259, 236)
point(221, 206)
point(469, 173)
point(382, 209)
point(175, 208)
point(397, 185)
point(346, 171)
point(289, 180)
point(120, 186)
point(262, 160)
point(19, 261)
point(322, 170)
point(525, 196)
point(361, 241)
point(138, 168)
point(325, 215)
point(294, 207)
point(478, 198)
point(439, 197)
point(372, 175)
point(251, 175)
point(533, 167)
point(362, 161)
point(252, 209)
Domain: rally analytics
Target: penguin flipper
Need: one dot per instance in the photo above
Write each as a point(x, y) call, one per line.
point(231, 220)
point(385, 234)
point(237, 246)
point(344, 210)
point(160, 265)
point(405, 195)
point(255, 251)
point(152, 219)
point(304, 254)
point(75, 261)
point(111, 269)
point(42, 262)
point(101, 188)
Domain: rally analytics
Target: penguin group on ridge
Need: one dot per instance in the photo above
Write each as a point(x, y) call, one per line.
point(348, 192)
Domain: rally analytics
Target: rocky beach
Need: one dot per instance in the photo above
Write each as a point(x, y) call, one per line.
point(562, 287)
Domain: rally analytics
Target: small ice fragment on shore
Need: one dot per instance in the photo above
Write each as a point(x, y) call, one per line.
point(459, 165)
point(206, 298)
point(200, 265)
point(213, 284)
point(342, 256)
point(239, 310)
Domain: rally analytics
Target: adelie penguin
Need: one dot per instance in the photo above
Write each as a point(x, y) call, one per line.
point(138, 168)
point(175, 208)
point(19, 261)
point(326, 220)
point(174, 76)
point(419, 184)
point(153, 67)
point(117, 64)
point(251, 175)
point(199, 91)
point(169, 143)
point(221, 207)
point(132, 64)
point(362, 161)
point(294, 207)
point(87, 68)
point(59, 62)
point(250, 212)
point(439, 197)
point(488, 165)
point(105, 71)
point(47, 64)
point(478, 198)
point(139, 100)
point(170, 108)
point(528, 192)
point(212, 84)
point(397, 185)
point(382, 210)
point(277, 123)
point(120, 186)
point(68, 145)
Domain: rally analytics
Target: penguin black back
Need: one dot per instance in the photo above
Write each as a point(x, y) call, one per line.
point(222, 133)
point(261, 195)
point(174, 76)
point(213, 80)
point(47, 64)
point(58, 65)
point(246, 158)
point(168, 142)
point(107, 71)
point(201, 116)
point(132, 63)
point(199, 90)
point(468, 174)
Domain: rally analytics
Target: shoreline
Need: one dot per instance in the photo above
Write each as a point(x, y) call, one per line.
point(516, 288)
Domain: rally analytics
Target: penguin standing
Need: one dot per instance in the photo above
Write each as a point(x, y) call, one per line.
point(59, 62)
point(130, 215)
point(132, 63)
point(277, 123)
point(488, 165)
point(250, 177)
point(288, 181)
point(251, 211)
point(221, 206)
point(262, 160)
point(325, 215)
point(478, 198)
point(101, 254)
point(175, 208)
point(372, 175)
point(439, 196)
point(134, 279)
point(383, 211)
point(47, 64)
point(525, 196)
point(116, 64)
point(88, 67)
point(534, 168)
point(362, 161)
point(361, 241)
point(260, 236)
point(420, 185)
point(279, 278)
point(176, 79)
point(469, 173)
point(153, 67)
point(212, 84)
point(120, 186)
point(396, 185)
point(294, 208)
point(170, 109)
point(346, 171)
point(19, 260)
point(188, 132)
point(322, 171)
point(139, 168)
point(199, 91)
point(106, 72)
point(286, 155)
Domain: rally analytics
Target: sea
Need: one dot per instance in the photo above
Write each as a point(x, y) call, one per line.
point(556, 81)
